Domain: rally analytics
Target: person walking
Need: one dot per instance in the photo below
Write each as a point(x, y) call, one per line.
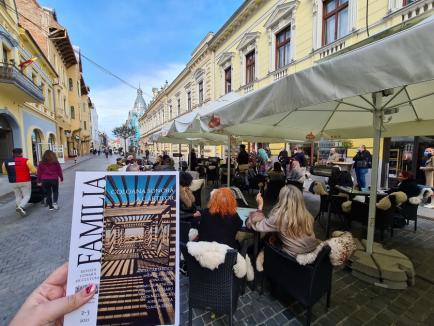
point(362, 164)
point(18, 170)
point(49, 173)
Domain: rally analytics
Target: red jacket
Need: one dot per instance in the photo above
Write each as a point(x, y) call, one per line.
point(49, 171)
point(18, 169)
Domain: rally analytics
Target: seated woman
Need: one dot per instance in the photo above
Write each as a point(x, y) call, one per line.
point(407, 184)
point(290, 219)
point(296, 172)
point(276, 172)
point(220, 222)
point(188, 206)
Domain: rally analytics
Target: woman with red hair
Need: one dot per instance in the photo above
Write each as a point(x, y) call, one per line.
point(220, 222)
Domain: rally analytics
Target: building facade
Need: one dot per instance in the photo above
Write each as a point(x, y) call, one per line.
point(192, 88)
point(264, 41)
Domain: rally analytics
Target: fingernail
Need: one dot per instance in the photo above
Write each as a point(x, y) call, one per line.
point(89, 290)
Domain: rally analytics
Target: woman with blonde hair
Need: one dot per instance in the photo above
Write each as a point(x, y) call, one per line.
point(290, 219)
point(220, 221)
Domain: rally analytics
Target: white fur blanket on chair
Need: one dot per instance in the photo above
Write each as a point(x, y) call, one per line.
point(212, 254)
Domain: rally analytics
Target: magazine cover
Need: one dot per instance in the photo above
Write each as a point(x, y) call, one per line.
point(123, 239)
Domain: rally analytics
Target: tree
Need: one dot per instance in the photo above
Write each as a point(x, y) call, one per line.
point(124, 132)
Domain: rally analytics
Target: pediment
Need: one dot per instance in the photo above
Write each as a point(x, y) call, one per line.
point(198, 73)
point(226, 56)
point(248, 39)
point(281, 12)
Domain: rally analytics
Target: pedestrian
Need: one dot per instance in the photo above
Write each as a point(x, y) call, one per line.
point(49, 173)
point(193, 160)
point(262, 160)
point(333, 156)
point(18, 169)
point(283, 158)
point(99, 152)
point(362, 164)
point(106, 152)
point(300, 156)
point(429, 171)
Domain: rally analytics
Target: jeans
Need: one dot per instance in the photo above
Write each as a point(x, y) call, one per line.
point(23, 191)
point(51, 189)
point(360, 175)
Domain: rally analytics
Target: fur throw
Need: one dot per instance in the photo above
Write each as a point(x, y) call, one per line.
point(318, 189)
point(196, 184)
point(417, 200)
point(186, 196)
point(398, 197)
point(192, 234)
point(212, 254)
point(341, 244)
point(346, 206)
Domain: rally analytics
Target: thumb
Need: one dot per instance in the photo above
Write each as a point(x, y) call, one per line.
point(58, 308)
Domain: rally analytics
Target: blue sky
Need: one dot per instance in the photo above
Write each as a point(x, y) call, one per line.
point(142, 41)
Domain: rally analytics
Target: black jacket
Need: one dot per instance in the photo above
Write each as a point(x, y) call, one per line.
point(243, 158)
point(221, 229)
point(362, 160)
point(409, 187)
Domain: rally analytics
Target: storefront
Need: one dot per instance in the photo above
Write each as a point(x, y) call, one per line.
point(404, 154)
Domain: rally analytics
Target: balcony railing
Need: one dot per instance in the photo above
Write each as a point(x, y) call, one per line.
point(10, 74)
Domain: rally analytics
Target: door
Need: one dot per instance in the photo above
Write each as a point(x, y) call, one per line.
point(58, 149)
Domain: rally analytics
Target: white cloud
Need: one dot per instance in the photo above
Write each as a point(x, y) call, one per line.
point(113, 103)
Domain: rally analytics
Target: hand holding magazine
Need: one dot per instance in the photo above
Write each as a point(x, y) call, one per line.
point(123, 239)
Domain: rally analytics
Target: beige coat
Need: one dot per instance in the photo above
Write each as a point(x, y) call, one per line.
point(429, 171)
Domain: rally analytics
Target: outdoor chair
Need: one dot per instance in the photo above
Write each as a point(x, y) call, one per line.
point(306, 284)
point(383, 220)
point(273, 188)
point(216, 290)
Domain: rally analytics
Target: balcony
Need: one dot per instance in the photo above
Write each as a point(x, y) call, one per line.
point(18, 86)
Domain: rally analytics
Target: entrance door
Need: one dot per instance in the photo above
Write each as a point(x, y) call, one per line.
point(6, 140)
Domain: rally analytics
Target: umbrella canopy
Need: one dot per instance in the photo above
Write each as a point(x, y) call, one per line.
point(333, 98)
point(383, 89)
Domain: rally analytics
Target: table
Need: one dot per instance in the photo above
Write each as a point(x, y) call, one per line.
point(243, 213)
point(345, 166)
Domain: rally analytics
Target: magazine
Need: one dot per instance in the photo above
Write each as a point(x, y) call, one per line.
point(123, 239)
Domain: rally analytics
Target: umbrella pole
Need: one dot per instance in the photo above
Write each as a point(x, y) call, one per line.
point(229, 161)
point(377, 121)
point(189, 155)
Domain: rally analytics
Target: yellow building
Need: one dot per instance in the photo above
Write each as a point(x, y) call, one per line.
point(85, 118)
point(27, 112)
point(192, 88)
point(265, 40)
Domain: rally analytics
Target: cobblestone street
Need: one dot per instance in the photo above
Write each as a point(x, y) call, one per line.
point(33, 246)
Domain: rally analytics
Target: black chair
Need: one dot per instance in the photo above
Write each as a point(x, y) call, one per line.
point(216, 290)
point(184, 229)
point(383, 218)
point(295, 183)
point(306, 284)
point(273, 188)
point(409, 212)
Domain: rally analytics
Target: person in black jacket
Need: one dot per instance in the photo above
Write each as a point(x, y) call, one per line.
point(407, 184)
point(220, 222)
point(243, 156)
point(362, 164)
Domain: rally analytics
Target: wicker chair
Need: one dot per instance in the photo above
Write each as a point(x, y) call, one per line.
point(216, 290)
point(306, 284)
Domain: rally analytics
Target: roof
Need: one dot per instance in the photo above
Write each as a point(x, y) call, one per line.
point(59, 35)
point(140, 104)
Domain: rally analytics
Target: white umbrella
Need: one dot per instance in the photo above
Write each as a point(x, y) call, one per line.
point(383, 89)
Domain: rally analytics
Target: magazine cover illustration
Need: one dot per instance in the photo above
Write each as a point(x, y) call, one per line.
point(137, 282)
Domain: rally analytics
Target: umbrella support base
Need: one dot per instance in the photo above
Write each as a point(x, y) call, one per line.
point(384, 268)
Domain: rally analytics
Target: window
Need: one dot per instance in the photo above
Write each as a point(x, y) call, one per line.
point(84, 125)
point(78, 88)
point(250, 67)
point(201, 92)
point(283, 47)
point(72, 112)
point(71, 84)
point(189, 101)
point(179, 107)
point(228, 80)
point(335, 20)
point(5, 54)
point(407, 2)
point(170, 112)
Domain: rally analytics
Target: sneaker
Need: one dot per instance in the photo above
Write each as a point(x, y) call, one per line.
point(51, 208)
point(429, 206)
point(55, 206)
point(21, 211)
